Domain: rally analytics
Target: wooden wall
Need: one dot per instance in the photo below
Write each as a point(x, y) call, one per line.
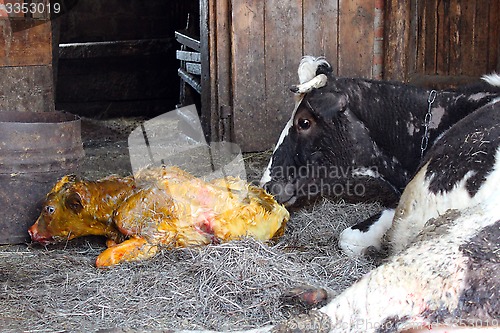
point(442, 42)
point(255, 47)
point(26, 65)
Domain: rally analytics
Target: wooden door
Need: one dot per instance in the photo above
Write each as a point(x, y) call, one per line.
point(255, 47)
point(442, 42)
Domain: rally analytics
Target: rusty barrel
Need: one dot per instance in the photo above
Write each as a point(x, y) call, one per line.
point(36, 149)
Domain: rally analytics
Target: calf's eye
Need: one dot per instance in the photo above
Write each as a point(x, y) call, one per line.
point(50, 209)
point(304, 124)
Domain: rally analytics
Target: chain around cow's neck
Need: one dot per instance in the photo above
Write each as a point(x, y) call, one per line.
point(427, 121)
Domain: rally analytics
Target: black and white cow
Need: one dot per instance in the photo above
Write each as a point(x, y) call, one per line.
point(346, 132)
point(363, 140)
point(443, 274)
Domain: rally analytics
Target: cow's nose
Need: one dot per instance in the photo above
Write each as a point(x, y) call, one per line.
point(284, 193)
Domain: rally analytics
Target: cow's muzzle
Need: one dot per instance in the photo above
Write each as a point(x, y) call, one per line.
point(38, 236)
point(284, 193)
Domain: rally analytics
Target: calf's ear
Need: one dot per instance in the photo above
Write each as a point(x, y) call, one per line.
point(64, 182)
point(73, 201)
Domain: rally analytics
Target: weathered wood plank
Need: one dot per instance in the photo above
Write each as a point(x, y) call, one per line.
point(188, 56)
point(193, 81)
point(465, 30)
point(494, 33)
point(420, 15)
point(320, 22)
point(356, 38)
point(481, 38)
point(396, 43)
point(25, 43)
point(209, 116)
point(224, 75)
point(131, 48)
point(442, 52)
point(249, 83)
point(193, 68)
point(430, 36)
point(455, 40)
point(185, 38)
point(283, 51)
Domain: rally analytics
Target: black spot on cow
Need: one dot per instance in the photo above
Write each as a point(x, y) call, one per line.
point(468, 147)
point(366, 224)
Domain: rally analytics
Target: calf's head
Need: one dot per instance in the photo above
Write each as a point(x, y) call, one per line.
point(76, 208)
point(60, 210)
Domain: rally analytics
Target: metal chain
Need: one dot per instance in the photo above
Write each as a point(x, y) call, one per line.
point(427, 121)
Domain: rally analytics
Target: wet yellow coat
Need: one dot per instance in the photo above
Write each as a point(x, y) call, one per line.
point(171, 208)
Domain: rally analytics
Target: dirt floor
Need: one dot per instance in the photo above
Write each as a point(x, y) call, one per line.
point(237, 285)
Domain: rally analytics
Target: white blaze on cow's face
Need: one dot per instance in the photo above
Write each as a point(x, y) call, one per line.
point(308, 81)
point(266, 177)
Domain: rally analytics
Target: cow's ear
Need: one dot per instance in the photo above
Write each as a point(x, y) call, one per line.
point(341, 102)
point(73, 201)
point(333, 104)
point(65, 182)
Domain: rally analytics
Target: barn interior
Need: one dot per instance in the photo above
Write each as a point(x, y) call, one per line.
point(117, 64)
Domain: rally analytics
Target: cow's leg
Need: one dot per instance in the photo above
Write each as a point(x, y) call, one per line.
point(357, 239)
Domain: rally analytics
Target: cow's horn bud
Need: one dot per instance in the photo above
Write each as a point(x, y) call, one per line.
point(318, 81)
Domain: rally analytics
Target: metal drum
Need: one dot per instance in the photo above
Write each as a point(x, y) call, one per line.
point(36, 149)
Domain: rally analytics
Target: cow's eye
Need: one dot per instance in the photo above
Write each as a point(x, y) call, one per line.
point(304, 124)
point(50, 209)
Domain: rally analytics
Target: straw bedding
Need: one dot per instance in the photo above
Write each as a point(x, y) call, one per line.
point(237, 285)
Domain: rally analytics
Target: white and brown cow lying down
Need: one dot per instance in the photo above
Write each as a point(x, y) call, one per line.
point(443, 272)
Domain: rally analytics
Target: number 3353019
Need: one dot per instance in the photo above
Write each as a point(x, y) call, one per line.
point(32, 8)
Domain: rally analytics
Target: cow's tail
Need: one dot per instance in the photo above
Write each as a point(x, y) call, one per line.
point(492, 79)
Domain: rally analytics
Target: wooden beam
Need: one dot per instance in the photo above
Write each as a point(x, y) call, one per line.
point(142, 47)
point(185, 38)
point(192, 80)
point(207, 48)
point(356, 37)
point(188, 56)
point(25, 43)
point(397, 39)
point(222, 63)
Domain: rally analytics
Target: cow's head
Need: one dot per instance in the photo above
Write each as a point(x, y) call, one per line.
point(324, 149)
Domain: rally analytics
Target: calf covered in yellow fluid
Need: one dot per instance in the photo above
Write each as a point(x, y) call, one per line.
point(160, 207)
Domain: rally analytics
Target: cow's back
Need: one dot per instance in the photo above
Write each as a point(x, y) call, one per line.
point(461, 170)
